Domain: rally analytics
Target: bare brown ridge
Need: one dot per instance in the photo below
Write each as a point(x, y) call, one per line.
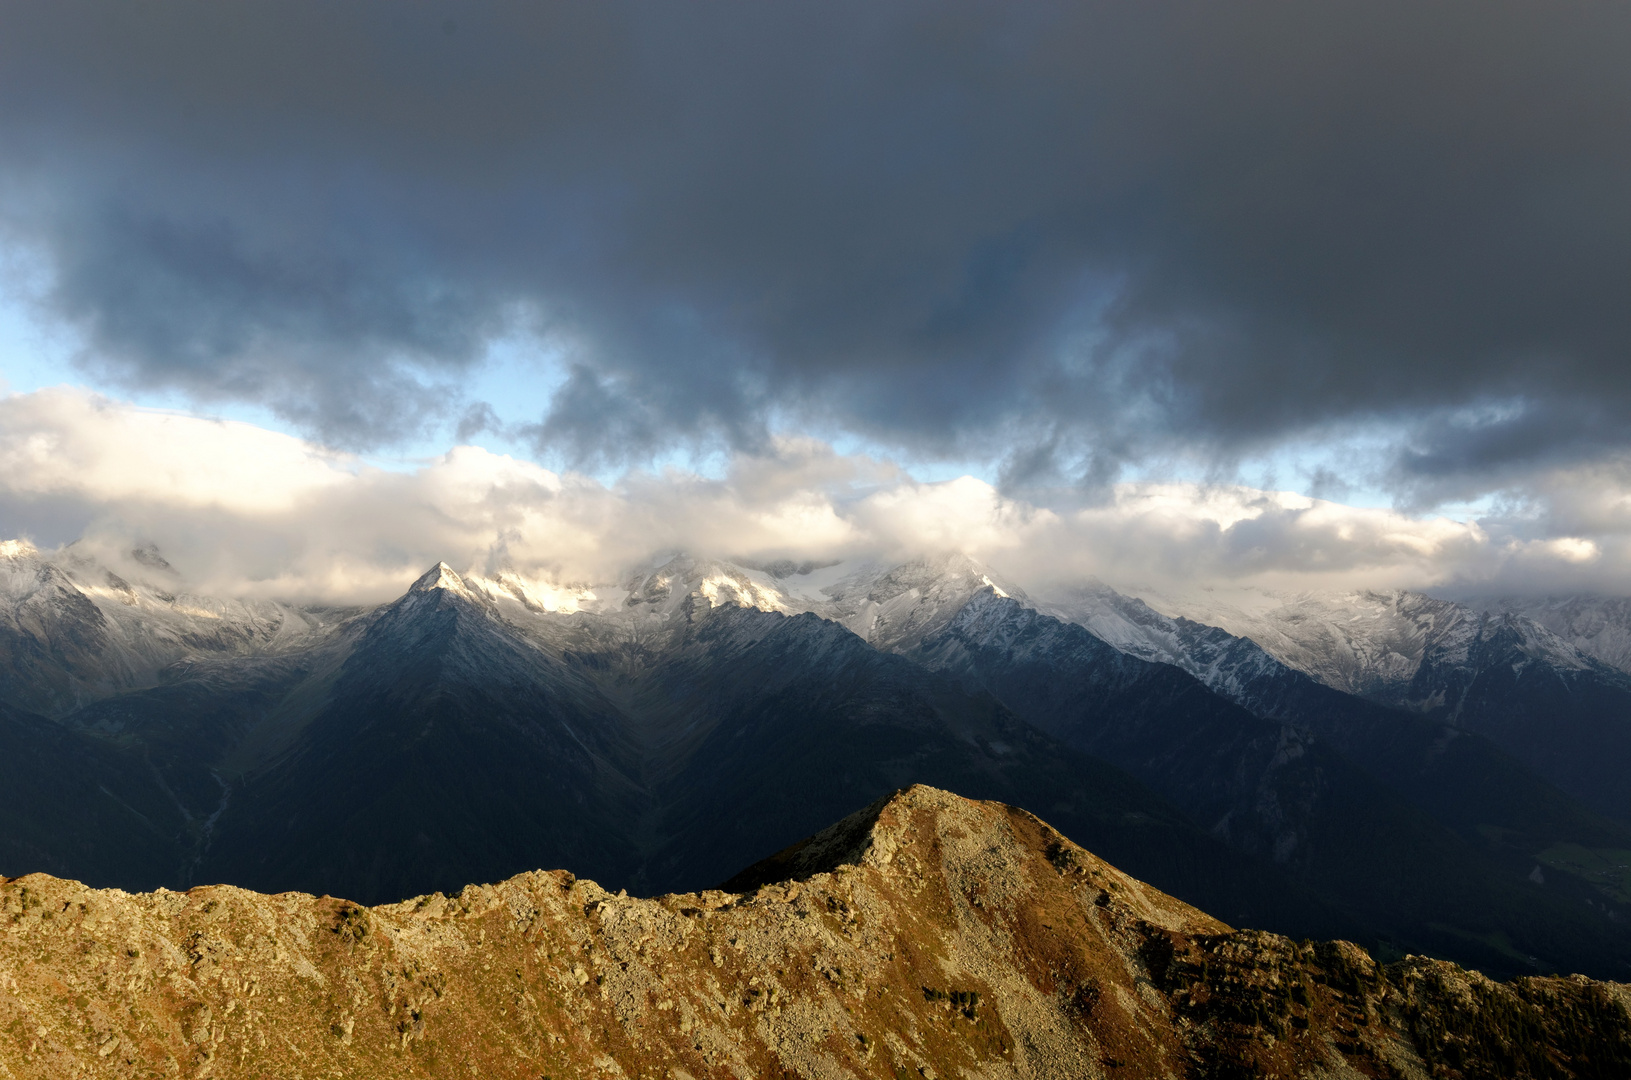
point(926, 936)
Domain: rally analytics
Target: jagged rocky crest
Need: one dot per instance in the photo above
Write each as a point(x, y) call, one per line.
point(927, 936)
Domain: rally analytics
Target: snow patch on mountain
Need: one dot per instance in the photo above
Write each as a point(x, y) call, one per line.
point(1370, 643)
point(536, 594)
point(894, 607)
point(116, 623)
point(91, 629)
point(1233, 665)
point(1598, 626)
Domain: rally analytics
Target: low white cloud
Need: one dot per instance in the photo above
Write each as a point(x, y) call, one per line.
point(245, 511)
point(65, 442)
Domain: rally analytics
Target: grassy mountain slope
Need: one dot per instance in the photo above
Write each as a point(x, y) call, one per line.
point(925, 936)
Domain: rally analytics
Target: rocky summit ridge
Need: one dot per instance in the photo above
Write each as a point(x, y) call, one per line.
point(926, 936)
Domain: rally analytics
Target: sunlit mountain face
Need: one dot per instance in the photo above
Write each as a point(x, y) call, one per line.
point(444, 442)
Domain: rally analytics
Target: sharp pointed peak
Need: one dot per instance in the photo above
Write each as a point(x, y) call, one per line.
point(440, 576)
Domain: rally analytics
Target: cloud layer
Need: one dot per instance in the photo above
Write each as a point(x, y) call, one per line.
point(1061, 236)
point(245, 512)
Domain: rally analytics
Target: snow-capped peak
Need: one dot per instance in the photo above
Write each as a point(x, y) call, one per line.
point(717, 582)
point(17, 549)
point(893, 605)
point(661, 590)
point(535, 594)
point(1598, 626)
point(440, 576)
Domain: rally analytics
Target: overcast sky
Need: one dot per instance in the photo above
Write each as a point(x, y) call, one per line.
point(1377, 254)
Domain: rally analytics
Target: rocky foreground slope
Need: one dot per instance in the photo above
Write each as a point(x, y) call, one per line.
point(927, 936)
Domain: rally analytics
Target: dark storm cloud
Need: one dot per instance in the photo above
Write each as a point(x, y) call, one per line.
point(1067, 236)
point(1459, 454)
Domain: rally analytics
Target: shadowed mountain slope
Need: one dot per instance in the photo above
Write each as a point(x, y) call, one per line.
point(451, 743)
point(438, 740)
point(74, 631)
point(1460, 777)
point(1273, 789)
point(446, 748)
point(697, 717)
point(1559, 710)
point(807, 719)
point(70, 804)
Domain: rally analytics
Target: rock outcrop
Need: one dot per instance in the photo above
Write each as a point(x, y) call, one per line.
point(927, 936)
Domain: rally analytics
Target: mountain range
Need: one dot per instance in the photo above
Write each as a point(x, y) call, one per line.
point(1412, 774)
point(1558, 700)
